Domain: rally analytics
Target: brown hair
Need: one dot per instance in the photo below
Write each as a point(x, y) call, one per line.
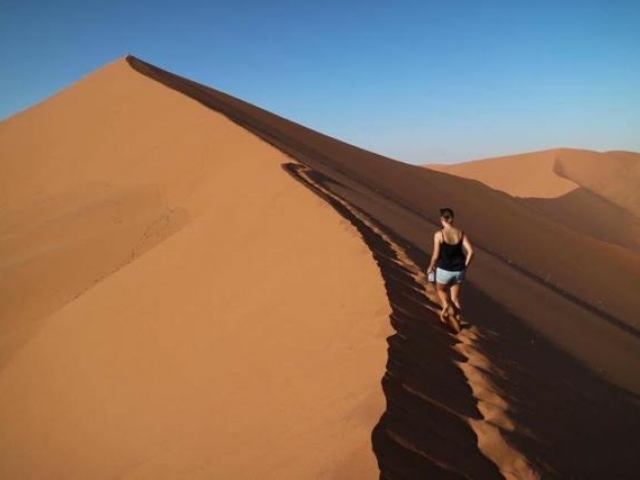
point(447, 213)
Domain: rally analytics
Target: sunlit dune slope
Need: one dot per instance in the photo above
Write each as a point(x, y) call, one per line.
point(173, 303)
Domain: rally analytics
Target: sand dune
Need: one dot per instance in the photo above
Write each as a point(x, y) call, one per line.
point(525, 175)
point(202, 319)
point(202, 289)
point(590, 192)
point(613, 176)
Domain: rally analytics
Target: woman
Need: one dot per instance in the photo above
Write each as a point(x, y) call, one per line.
point(452, 254)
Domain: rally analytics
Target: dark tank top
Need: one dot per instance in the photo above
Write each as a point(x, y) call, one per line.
point(451, 255)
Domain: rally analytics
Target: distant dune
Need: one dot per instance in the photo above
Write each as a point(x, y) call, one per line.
point(193, 287)
point(591, 192)
point(525, 175)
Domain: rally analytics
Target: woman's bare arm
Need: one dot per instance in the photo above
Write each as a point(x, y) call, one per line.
point(436, 252)
point(467, 248)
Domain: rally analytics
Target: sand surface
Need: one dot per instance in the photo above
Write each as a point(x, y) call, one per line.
point(173, 303)
point(192, 287)
point(525, 175)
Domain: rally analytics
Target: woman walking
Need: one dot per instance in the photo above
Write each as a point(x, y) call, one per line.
point(452, 253)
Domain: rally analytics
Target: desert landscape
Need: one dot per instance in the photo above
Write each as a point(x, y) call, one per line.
point(194, 287)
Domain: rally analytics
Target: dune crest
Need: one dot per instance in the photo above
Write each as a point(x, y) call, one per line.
point(178, 300)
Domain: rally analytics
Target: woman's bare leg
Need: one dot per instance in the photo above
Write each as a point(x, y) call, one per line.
point(455, 296)
point(443, 295)
point(455, 299)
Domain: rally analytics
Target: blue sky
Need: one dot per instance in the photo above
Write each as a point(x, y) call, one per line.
point(420, 81)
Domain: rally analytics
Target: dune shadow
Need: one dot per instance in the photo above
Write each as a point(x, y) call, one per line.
point(570, 422)
point(424, 432)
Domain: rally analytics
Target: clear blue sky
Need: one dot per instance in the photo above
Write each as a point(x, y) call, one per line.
point(420, 81)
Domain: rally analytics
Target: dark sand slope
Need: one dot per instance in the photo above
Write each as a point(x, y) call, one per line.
point(149, 375)
point(481, 412)
point(554, 335)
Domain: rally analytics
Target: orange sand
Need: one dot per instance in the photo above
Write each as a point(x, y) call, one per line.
point(192, 287)
point(173, 304)
point(525, 175)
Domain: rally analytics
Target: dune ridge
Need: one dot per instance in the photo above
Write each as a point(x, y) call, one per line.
point(357, 175)
point(225, 347)
point(493, 417)
point(517, 237)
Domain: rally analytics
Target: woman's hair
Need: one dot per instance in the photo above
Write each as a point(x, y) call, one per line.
point(446, 213)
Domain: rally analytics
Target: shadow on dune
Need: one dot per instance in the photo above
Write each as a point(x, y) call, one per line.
point(569, 422)
point(416, 438)
point(560, 410)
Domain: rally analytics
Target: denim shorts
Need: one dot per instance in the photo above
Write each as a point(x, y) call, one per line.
point(446, 277)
